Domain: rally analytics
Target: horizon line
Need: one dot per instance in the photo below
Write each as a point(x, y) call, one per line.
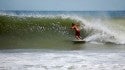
point(63, 10)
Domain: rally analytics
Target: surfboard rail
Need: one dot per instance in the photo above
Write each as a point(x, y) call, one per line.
point(78, 41)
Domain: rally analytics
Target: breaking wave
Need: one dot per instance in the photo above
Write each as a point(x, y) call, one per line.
point(94, 30)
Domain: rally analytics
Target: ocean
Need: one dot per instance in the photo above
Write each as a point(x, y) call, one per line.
point(42, 40)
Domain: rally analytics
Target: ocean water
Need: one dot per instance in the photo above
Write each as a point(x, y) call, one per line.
point(42, 40)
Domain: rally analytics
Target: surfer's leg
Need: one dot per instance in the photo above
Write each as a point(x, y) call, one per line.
point(78, 37)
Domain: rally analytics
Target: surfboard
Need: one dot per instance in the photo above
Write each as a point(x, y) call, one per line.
point(78, 41)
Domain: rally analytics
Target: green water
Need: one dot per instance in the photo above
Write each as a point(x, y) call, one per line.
point(50, 33)
point(30, 32)
point(9, 24)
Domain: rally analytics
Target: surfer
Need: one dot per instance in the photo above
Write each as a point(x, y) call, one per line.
point(77, 31)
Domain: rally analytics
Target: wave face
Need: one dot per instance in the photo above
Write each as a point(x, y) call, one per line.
point(52, 28)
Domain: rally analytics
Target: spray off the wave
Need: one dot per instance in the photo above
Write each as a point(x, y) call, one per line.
point(100, 30)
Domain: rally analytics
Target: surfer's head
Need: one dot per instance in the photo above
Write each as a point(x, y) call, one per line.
point(77, 24)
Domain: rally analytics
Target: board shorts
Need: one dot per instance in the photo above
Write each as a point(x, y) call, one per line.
point(77, 33)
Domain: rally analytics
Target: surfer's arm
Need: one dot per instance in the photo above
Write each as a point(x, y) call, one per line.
point(72, 27)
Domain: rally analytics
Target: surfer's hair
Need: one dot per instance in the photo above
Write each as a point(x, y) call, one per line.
point(73, 24)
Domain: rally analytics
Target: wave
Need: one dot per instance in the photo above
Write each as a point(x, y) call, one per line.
point(94, 30)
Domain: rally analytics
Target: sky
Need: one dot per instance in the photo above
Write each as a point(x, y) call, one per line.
point(63, 5)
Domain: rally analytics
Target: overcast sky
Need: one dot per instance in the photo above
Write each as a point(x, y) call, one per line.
point(65, 5)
